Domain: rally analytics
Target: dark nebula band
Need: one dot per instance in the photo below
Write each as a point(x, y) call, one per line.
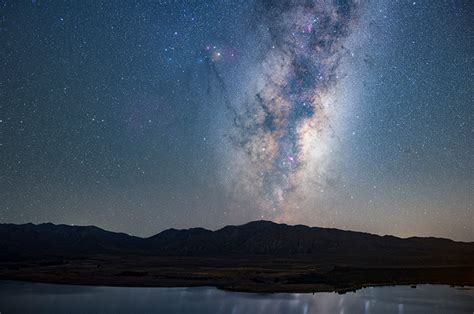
point(287, 116)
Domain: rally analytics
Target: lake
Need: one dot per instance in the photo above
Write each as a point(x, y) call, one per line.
point(18, 297)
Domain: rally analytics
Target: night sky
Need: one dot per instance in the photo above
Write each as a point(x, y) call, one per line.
point(138, 116)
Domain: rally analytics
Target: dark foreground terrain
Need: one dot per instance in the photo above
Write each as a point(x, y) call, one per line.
point(259, 256)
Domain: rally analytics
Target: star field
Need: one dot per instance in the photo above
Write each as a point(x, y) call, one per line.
point(137, 116)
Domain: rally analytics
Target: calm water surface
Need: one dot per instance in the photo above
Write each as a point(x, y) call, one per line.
point(16, 297)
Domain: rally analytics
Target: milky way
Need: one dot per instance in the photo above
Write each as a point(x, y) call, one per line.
point(137, 116)
point(286, 119)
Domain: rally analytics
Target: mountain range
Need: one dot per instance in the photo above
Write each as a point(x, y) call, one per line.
point(254, 238)
point(258, 256)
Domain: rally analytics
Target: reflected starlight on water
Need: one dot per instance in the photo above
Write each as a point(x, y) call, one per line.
point(47, 298)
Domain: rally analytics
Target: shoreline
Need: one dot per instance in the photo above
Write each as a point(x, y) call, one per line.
point(413, 286)
point(255, 276)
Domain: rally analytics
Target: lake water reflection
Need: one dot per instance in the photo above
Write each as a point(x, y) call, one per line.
point(17, 297)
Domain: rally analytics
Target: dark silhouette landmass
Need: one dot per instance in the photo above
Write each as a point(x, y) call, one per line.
point(260, 256)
